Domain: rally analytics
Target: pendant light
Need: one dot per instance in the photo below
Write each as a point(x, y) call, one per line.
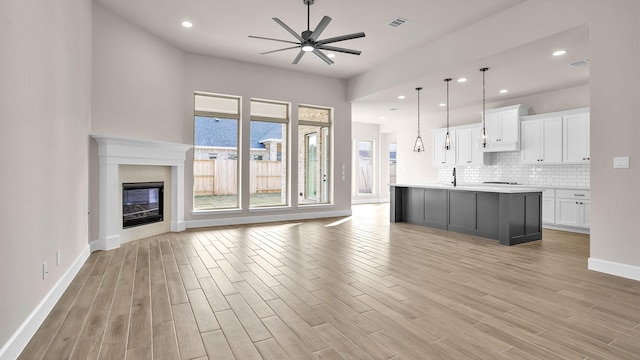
point(483, 137)
point(447, 138)
point(419, 145)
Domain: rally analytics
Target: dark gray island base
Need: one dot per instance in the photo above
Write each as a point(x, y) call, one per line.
point(511, 216)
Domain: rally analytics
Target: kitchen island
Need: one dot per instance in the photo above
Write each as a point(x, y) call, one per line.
point(510, 214)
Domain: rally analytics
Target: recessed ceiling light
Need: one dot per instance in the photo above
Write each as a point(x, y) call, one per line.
point(382, 117)
point(559, 52)
point(504, 91)
point(443, 104)
point(331, 55)
point(462, 79)
point(187, 23)
point(401, 97)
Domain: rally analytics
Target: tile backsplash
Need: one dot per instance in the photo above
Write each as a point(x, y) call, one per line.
point(507, 166)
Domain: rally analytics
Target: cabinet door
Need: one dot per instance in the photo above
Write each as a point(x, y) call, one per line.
point(548, 211)
point(464, 147)
point(585, 213)
point(478, 156)
point(531, 141)
point(510, 126)
point(551, 130)
point(493, 125)
point(442, 157)
point(567, 212)
point(575, 147)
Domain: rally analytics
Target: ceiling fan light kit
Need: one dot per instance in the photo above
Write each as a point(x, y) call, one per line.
point(308, 40)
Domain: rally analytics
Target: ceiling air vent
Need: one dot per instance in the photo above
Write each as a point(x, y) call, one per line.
point(397, 21)
point(579, 63)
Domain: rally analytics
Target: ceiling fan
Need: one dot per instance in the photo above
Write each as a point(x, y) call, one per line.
point(308, 40)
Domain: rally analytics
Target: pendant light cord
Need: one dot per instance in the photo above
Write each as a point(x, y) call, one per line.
point(484, 129)
point(418, 90)
point(447, 81)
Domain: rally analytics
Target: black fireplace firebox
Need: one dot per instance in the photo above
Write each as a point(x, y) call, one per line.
point(142, 203)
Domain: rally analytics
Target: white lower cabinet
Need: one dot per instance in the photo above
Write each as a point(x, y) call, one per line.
point(549, 206)
point(573, 208)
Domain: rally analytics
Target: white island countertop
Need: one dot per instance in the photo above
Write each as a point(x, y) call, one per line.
point(506, 189)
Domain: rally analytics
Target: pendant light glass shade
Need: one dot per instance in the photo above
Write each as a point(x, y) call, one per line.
point(419, 145)
point(483, 135)
point(447, 138)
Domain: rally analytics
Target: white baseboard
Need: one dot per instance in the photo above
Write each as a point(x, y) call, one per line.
point(356, 201)
point(613, 268)
point(265, 218)
point(112, 242)
point(20, 338)
point(566, 228)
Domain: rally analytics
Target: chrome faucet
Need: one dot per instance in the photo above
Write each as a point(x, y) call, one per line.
point(454, 177)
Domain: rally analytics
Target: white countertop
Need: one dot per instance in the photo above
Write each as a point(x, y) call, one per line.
point(507, 189)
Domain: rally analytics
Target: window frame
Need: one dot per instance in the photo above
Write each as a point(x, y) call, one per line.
point(327, 152)
point(238, 153)
point(285, 137)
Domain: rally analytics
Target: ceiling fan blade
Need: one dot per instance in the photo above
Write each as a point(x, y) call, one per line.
point(340, 38)
point(298, 57)
point(272, 51)
point(266, 38)
point(290, 30)
point(322, 56)
point(320, 28)
point(339, 49)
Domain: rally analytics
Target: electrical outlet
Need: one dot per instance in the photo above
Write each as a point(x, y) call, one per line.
point(58, 257)
point(45, 270)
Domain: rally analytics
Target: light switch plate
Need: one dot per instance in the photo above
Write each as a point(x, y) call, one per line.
point(621, 162)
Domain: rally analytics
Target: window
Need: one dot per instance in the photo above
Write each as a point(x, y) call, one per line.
point(365, 167)
point(392, 163)
point(215, 178)
point(314, 154)
point(268, 165)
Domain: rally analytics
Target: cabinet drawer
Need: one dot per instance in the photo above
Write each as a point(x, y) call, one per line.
point(549, 193)
point(573, 194)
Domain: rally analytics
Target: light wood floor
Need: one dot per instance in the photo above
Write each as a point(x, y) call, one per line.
point(356, 288)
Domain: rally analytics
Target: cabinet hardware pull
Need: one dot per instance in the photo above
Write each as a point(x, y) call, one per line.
point(578, 194)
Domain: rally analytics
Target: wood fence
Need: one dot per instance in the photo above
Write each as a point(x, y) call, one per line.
point(220, 177)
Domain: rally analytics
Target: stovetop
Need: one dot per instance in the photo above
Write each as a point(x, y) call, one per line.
point(500, 183)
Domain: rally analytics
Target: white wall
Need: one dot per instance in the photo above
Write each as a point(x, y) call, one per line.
point(418, 167)
point(45, 99)
point(367, 132)
point(137, 82)
point(149, 94)
point(137, 85)
point(614, 90)
point(615, 131)
point(222, 76)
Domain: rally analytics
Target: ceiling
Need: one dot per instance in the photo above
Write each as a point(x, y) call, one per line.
point(222, 29)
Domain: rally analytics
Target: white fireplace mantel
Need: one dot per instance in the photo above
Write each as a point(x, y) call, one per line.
point(114, 151)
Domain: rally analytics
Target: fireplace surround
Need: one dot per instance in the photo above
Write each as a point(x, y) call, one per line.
point(114, 151)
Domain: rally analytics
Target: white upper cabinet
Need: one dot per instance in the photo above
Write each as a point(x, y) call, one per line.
point(541, 138)
point(575, 146)
point(503, 128)
point(442, 157)
point(467, 150)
